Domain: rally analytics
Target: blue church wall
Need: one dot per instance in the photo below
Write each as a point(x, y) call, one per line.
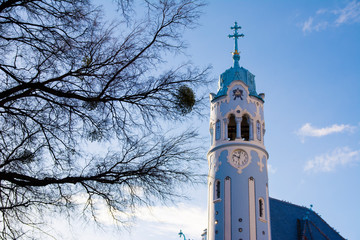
point(219, 206)
point(233, 102)
point(239, 194)
point(261, 179)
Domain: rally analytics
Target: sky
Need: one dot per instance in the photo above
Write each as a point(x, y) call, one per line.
point(305, 56)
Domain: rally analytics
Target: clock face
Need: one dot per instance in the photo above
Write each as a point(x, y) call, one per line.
point(239, 158)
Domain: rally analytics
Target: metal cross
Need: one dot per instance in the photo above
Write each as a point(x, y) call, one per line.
point(236, 35)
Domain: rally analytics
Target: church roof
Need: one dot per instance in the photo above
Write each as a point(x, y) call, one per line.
point(236, 73)
point(293, 222)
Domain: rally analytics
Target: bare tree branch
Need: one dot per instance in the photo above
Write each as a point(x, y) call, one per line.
point(69, 79)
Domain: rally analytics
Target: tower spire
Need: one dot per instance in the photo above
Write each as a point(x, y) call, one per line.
point(236, 35)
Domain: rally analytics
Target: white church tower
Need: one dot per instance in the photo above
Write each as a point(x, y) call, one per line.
point(238, 201)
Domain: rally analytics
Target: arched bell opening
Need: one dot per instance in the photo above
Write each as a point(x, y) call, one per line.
point(232, 128)
point(245, 128)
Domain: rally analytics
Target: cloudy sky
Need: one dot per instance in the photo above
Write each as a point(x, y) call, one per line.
point(305, 55)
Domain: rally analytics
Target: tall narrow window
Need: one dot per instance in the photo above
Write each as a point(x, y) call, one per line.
point(232, 128)
point(245, 133)
point(211, 134)
point(261, 208)
point(258, 130)
point(217, 190)
point(217, 130)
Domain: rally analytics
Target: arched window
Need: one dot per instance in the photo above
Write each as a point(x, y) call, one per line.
point(217, 130)
point(245, 132)
point(217, 190)
point(258, 130)
point(261, 208)
point(232, 128)
point(211, 134)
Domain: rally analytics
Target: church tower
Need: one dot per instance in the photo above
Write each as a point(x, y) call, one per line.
point(238, 201)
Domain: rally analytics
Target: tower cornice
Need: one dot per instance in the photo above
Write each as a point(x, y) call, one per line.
point(237, 144)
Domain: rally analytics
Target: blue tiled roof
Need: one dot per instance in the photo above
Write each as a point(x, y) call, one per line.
point(233, 74)
point(292, 222)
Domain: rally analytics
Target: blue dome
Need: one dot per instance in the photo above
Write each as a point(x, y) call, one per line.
point(236, 73)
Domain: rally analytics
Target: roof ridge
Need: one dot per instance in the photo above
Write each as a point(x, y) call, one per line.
point(284, 201)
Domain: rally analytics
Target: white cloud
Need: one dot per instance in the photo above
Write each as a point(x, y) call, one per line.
point(307, 25)
point(310, 26)
point(152, 221)
point(325, 18)
point(309, 131)
point(349, 14)
point(271, 169)
point(169, 220)
point(164, 220)
point(330, 161)
point(321, 11)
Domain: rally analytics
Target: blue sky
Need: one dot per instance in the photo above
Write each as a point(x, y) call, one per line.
point(305, 56)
